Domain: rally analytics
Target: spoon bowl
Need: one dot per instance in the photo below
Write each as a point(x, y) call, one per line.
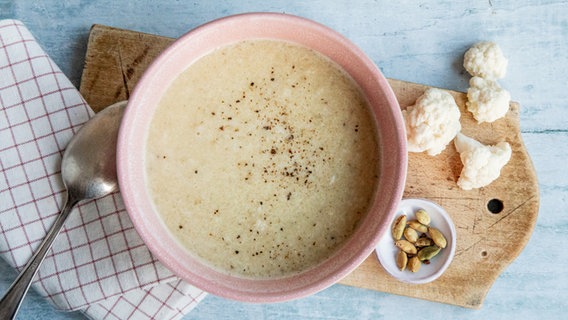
point(88, 167)
point(88, 170)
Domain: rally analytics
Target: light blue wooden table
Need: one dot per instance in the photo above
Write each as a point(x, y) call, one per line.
point(418, 41)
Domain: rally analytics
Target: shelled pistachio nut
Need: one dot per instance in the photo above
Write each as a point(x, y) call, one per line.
point(401, 260)
point(428, 253)
point(414, 224)
point(398, 227)
point(406, 246)
point(418, 242)
point(414, 264)
point(423, 242)
point(411, 235)
point(437, 237)
point(422, 217)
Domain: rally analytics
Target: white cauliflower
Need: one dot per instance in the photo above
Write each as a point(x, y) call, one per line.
point(485, 60)
point(432, 122)
point(487, 101)
point(481, 164)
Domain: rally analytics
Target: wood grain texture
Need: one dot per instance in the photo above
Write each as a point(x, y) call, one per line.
point(114, 62)
point(486, 242)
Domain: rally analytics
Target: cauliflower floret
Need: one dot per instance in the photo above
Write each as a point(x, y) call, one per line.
point(486, 60)
point(481, 164)
point(432, 122)
point(487, 101)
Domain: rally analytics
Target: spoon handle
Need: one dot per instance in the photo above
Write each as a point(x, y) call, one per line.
point(13, 298)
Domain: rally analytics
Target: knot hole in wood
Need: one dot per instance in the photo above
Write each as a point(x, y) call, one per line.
point(495, 206)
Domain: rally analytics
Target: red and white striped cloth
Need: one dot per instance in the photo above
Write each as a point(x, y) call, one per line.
point(98, 263)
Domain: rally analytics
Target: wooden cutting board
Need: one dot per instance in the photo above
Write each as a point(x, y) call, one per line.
point(486, 242)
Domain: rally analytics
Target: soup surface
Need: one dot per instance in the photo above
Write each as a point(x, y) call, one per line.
point(262, 158)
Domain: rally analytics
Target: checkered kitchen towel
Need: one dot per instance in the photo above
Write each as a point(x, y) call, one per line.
point(98, 263)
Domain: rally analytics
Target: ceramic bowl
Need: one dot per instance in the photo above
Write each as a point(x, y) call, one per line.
point(440, 219)
point(181, 54)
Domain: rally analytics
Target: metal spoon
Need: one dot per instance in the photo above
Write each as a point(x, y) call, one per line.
point(88, 169)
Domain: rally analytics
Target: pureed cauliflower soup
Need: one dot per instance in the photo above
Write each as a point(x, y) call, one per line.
point(262, 158)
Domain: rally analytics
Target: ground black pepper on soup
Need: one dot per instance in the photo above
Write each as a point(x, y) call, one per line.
point(262, 158)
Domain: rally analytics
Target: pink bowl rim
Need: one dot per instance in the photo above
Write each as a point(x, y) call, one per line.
point(200, 41)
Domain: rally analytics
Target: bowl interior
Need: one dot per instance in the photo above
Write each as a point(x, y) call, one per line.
point(440, 219)
point(181, 54)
